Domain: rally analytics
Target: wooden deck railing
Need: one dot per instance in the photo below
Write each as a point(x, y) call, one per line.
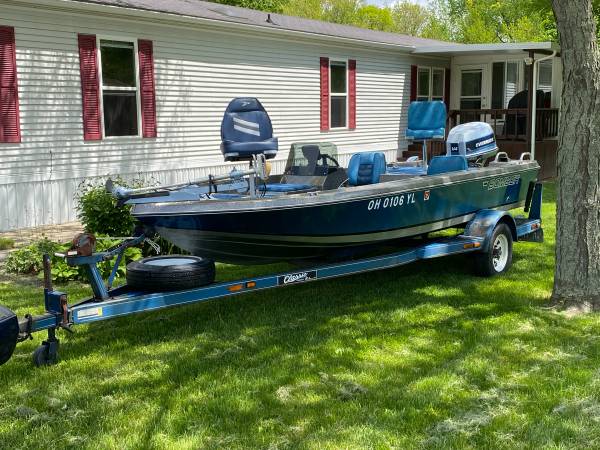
point(509, 124)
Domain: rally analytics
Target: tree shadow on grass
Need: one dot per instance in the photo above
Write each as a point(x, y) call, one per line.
point(398, 357)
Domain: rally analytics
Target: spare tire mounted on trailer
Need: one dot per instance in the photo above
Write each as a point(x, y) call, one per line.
point(170, 273)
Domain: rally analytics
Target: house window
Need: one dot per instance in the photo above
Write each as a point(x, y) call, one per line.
point(505, 83)
point(119, 88)
point(430, 84)
point(338, 94)
point(545, 76)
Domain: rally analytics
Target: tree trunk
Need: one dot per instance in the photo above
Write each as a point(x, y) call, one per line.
point(577, 275)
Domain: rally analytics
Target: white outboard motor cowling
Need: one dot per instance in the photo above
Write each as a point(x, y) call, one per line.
point(473, 140)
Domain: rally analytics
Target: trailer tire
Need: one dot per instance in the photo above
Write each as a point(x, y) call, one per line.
point(497, 258)
point(170, 273)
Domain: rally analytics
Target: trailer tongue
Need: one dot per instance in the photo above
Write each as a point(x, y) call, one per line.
point(488, 237)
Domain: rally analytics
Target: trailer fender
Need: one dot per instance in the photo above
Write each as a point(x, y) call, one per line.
point(484, 223)
point(9, 333)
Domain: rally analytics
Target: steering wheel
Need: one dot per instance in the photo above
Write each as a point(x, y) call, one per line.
point(325, 157)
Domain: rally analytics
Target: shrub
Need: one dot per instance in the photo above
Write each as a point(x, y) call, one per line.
point(98, 210)
point(28, 260)
point(6, 243)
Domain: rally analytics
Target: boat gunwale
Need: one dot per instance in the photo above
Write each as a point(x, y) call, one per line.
point(325, 198)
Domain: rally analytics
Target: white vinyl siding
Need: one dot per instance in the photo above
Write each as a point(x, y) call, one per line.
point(198, 71)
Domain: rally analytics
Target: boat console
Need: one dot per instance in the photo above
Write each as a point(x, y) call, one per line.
point(314, 163)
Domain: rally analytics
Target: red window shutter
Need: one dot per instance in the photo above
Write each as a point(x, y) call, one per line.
point(324, 94)
point(10, 126)
point(352, 94)
point(90, 88)
point(414, 73)
point(147, 88)
point(447, 89)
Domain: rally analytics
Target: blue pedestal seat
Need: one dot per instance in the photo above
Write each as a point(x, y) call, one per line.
point(426, 121)
point(246, 130)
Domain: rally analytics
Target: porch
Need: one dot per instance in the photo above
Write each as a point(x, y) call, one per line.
point(491, 83)
point(510, 127)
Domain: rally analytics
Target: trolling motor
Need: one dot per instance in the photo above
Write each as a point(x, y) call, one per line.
point(258, 170)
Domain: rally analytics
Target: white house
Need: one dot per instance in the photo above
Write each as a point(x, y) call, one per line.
point(138, 88)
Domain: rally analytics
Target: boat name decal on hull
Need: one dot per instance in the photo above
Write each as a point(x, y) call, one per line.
point(298, 277)
point(502, 182)
point(391, 202)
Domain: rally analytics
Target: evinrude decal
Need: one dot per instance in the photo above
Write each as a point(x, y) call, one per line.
point(298, 277)
point(391, 202)
point(502, 182)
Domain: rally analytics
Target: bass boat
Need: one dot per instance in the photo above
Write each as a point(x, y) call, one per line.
point(318, 209)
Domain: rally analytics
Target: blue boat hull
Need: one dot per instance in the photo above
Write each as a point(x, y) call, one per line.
point(297, 230)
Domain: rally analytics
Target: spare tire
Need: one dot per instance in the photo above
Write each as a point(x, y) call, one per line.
point(170, 273)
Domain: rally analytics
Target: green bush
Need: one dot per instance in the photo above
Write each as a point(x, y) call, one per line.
point(28, 260)
point(98, 210)
point(99, 213)
point(6, 243)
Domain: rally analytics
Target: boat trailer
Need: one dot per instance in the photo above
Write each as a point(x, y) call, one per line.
point(479, 237)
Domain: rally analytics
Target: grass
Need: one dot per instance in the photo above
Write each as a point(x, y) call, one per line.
point(6, 243)
point(424, 356)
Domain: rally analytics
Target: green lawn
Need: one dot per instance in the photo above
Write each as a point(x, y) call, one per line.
point(425, 356)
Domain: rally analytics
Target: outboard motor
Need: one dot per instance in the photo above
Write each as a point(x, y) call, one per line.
point(474, 140)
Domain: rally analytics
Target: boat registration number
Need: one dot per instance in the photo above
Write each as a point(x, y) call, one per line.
point(393, 201)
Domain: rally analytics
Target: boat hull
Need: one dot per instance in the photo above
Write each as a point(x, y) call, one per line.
point(300, 227)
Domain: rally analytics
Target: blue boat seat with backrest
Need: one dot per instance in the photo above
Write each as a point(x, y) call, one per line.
point(426, 120)
point(366, 168)
point(246, 130)
point(446, 164)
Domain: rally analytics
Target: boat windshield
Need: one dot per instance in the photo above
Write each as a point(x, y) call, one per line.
point(310, 159)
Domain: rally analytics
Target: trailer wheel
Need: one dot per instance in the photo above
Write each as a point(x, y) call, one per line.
point(170, 273)
point(498, 257)
point(43, 356)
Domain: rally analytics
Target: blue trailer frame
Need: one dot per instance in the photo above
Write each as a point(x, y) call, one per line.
point(108, 302)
